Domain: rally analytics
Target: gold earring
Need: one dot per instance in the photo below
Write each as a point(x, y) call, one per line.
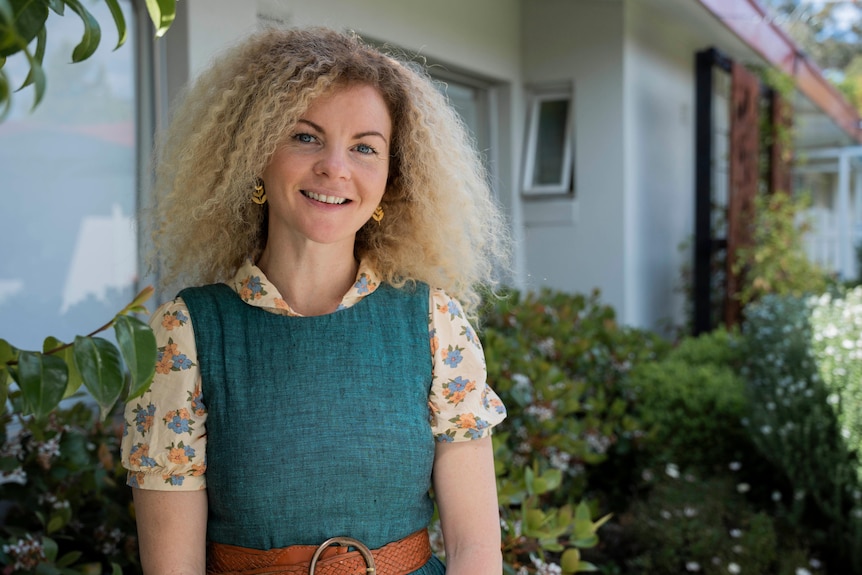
point(378, 214)
point(258, 196)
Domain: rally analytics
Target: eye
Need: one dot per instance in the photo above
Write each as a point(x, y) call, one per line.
point(304, 138)
point(365, 149)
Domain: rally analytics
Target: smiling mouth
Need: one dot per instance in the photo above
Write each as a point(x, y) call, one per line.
point(325, 199)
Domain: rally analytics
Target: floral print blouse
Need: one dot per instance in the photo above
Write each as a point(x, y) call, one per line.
point(164, 440)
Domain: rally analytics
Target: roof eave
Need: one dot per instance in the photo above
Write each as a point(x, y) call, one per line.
point(753, 25)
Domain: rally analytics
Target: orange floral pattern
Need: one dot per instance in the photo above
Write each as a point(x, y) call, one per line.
point(164, 439)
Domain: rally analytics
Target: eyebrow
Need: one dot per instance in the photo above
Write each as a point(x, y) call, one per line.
point(359, 135)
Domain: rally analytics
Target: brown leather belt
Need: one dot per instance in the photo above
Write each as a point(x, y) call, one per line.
point(397, 558)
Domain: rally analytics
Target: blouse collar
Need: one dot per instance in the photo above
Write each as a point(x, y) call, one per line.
point(254, 289)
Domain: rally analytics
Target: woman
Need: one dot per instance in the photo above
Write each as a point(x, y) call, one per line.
point(325, 387)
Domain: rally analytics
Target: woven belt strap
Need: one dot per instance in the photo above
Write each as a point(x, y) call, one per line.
point(397, 558)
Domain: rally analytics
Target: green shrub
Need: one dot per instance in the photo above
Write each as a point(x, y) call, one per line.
point(66, 506)
point(693, 403)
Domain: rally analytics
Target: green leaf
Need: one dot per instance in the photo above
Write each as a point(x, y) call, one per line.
point(69, 558)
point(7, 352)
point(92, 33)
point(138, 346)
point(571, 560)
point(528, 480)
point(41, 40)
point(49, 546)
point(101, 369)
point(116, 569)
point(7, 14)
point(586, 542)
point(68, 355)
point(162, 13)
point(587, 566)
point(58, 6)
point(553, 478)
point(565, 515)
point(535, 518)
point(551, 545)
point(5, 95)
point(137, 304)
point(119, 20)
point(42, 379)
point(36, 77)
point(55, 523)
point(20, 22)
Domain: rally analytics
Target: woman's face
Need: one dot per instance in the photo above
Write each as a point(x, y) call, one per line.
point(328, 176)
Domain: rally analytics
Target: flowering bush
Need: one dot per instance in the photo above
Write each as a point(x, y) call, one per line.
point(65, 506)
point(804, 412)
point(560, 363)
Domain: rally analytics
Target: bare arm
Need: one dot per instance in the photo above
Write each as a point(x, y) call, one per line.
point(172, 527)
point(466, 491)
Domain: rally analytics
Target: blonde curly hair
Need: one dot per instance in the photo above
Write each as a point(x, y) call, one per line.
point(442, 226)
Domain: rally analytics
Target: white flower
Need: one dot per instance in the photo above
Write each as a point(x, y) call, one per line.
point(18, 476)
point(776, 496)
point(522, 381)
point(689, 511)
point(560, 460)
point(743, 487)
point(815, 563)
point(733, 568)
point(692, 566)
point(765, 430)
point(735, 533)
point(543, 568)
point(802, 571)
point(665, 514)
point(672, 470)
point(735, 466)
point(540, 412)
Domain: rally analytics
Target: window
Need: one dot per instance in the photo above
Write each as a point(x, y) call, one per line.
point(69, 173)
point(549, 166)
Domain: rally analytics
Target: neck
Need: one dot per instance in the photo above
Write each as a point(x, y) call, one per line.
point(312, 280)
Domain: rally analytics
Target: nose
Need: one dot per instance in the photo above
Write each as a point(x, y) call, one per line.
point(333, 163)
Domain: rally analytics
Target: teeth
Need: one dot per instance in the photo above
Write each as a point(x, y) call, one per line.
point(325, 199)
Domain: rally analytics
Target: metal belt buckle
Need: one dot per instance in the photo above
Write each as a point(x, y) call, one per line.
point(349, 541)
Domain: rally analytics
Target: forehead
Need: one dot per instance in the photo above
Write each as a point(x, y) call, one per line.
point(361, 101)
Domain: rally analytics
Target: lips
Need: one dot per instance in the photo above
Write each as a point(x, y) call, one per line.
point(335, 200)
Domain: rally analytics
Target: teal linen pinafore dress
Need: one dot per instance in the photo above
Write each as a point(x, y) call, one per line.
point(316, 426)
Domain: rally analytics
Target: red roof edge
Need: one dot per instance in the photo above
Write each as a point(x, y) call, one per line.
point(754, 26)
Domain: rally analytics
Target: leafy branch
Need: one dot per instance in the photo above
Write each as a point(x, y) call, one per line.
point(23, 21)
point(47, 377)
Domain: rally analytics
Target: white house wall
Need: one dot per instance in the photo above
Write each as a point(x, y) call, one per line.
point(579, 245)
point(659, 135)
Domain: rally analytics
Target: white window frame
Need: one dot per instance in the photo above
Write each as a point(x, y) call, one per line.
point(564, 184)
